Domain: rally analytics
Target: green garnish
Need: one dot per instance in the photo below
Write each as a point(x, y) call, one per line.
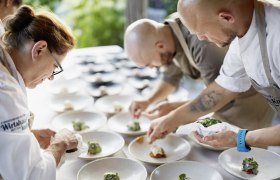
point(209, 121)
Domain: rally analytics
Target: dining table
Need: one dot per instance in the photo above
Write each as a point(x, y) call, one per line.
point(39, 104)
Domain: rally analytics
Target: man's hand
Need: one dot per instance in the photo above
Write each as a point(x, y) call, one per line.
point(161, 109)
point(218, 140)
point(137, 107)
point(43, 136)
point(160, 128)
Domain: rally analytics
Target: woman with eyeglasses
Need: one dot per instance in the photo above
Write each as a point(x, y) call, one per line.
point(31, 50)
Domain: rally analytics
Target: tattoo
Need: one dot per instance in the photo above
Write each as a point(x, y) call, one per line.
point(206, 101)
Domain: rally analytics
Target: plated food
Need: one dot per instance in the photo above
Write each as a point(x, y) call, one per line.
point(209, 121)
point(111, 176)
point(185, 170)
point(94, 147)
point(79, 125)
point(250, 166)
point(101, 144)
point(124, 123)
point(157, 152)
point(169, 149)
point(79, 121)
point(134, 126)
point(70, 102)
point(231, 160)
point(125, 169)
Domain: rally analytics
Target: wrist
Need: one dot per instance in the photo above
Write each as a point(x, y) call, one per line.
point(241, 141)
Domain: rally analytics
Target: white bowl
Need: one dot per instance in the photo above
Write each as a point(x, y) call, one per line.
point(269, 163)
point(174, 146)
point(77, 102)
point(193, 170)
point(127, 169)
point(118, 123)
point(106, 104)
point(110, 143)
point(93, 120)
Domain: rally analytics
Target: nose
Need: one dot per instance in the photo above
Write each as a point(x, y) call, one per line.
point(51, 77)
point(202, 37)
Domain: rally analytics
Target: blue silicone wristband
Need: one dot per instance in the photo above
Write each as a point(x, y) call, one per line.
point(240, 141)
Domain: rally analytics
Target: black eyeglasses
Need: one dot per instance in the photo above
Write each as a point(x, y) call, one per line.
point(58, 68)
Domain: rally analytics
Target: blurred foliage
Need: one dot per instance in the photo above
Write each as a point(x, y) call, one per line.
point(170, 6)
point(48, 4)
point(97, 22)
point(94, 22)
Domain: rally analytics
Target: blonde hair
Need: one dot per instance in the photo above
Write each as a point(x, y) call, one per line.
point(26, 25)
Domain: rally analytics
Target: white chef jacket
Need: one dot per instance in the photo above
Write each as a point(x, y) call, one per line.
point(243, 59)
point(20, 155)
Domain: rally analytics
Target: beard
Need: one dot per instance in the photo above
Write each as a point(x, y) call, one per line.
point(230, 37)
point(166, 58)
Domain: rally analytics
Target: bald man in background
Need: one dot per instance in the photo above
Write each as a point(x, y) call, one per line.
point(252, 30)
point(170, 45)
point(8, 7)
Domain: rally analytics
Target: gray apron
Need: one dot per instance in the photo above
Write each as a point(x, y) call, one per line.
point(272, 92)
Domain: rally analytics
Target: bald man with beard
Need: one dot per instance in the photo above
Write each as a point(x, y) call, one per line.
point(252, 30)
point(170, 45)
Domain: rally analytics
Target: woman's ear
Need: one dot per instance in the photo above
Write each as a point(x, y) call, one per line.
point(38, 49)
point(226, 17)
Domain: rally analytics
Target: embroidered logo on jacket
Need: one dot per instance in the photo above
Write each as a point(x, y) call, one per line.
point(16, 124)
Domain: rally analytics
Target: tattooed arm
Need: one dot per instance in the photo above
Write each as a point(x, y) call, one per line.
point(210, 100)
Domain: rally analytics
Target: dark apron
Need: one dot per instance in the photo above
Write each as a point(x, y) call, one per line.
point(272, 92)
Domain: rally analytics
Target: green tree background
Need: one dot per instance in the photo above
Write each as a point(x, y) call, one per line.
point(94, 22)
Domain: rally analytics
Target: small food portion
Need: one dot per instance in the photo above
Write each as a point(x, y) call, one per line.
point(209, 121)
point(140, 140)
point(183, 176)
point(157, 152)
point(103, 90)
point(146, 82)
point(94, 147)
point(134, 126)
point(111, 176)
point(250, 166)
point(118, 107)
point(79, 125)
point(68, 106)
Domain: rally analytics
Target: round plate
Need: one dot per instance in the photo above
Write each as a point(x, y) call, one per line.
point(231, 161)
point(193, 170)
point(106, 104)
point(118, 123)
point(127, 169)
point(93, 120)
point(174, 146)
point(110, 143)
point(111, 88)
point(65, 86)
point(78, 102)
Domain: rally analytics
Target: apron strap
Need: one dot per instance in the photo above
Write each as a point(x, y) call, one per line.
point(261, 27)
point(181, 38)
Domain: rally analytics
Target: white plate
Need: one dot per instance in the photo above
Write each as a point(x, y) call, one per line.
point(269, 163)
point(118, 123)
point(93, 120)
point(193, 170)
point(66, 86)
point(104, 77)
point(78, 102)
point(174, 146)
point(106, 104)
point(110, 143)
point(127, 169)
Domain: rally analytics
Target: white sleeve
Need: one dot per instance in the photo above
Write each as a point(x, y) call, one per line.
point(233, 76)
point(22, 158)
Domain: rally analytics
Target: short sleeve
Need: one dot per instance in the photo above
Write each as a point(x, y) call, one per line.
point(233, 76)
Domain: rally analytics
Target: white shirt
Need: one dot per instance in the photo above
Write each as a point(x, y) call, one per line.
point(20, 155)
point(243, 59)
